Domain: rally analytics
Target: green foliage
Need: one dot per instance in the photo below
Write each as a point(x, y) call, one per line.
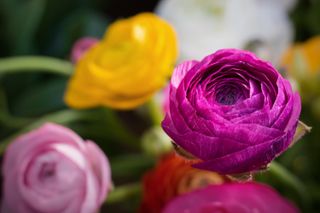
point(306, 19)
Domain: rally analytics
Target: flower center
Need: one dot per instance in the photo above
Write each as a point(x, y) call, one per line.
point(47, 171)
point(228, 95)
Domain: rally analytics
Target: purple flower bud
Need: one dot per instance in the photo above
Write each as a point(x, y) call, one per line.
point(232, 110)
point(81, 46)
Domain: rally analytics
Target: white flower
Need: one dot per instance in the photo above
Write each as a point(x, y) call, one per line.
point(204, 26)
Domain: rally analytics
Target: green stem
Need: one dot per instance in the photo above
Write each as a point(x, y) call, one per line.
point(57, 66)
point(107, 117)
point(35, 63)
point(60, 117)
point(124, 192)
point(8, 120)
point(289, 179)
point(120, 129)
point(155, 112)
point(29, 64)
point(13, 122)
point(131, 165)
point(126, 166)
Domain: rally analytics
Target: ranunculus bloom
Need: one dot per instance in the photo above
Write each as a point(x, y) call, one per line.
point(127, 66)
point(172, 177)
point(263, 26)
point(51, 169)
point(232, 110)
point(81, 46)
point(232, 198)
point(302, 64)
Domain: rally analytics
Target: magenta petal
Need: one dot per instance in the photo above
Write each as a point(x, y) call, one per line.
point(241, 161)
point(232, 110)
point(180, 71)
point(234, 197)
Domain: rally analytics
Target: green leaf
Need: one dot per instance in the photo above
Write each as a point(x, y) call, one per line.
point(79, 23)
point(301, 130)
point(21, 22)
point(41, 98)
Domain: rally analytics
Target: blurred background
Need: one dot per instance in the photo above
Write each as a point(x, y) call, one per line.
point(50, 27)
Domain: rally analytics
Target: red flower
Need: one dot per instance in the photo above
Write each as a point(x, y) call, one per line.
point(172, 177)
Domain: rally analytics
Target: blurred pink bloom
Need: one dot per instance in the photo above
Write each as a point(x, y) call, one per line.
point(81, 46)
point(51, 169)
point(233, 197)
point(165, 100)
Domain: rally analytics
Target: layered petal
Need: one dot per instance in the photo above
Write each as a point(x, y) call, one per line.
point(124, 69)
point(233, 197)
point(51, 169)
point(232, 110)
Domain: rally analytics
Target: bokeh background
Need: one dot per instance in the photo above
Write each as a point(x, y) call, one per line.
point(50, 27)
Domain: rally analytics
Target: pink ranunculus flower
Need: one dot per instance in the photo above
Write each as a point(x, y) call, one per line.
point(166, 98)
point(81, 46)
point(51, 169)
point(231, 198)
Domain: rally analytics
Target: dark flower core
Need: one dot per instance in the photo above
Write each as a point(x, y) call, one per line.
point(47, 171)
point(228, 95)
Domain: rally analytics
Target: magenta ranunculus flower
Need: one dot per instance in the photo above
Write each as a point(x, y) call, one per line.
point(51, 169)
point(81, 46)
point(231, 198)
point(231, 110)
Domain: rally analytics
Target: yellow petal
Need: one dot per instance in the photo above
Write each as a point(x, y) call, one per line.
point(132, 61)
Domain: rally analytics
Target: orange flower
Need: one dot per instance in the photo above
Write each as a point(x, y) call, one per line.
point(302, 65)
point(172, 177)
point(306, 53)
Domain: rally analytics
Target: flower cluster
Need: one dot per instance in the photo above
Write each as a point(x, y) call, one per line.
point(224, 113)
point(179, 178)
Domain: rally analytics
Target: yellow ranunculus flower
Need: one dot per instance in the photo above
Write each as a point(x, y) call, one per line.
point(302, 64)
point(123, 70)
